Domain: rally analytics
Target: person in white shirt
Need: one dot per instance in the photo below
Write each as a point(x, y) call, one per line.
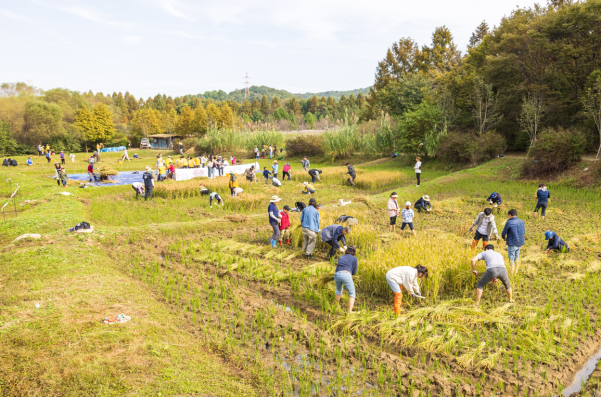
point(138, 188)
point(276, 182)
point(418, 169)
point(407, 215)
point(125, 156)
point(203, 161)
point(405, 276)
point(72, 157)
point(485, 227)
point(495, 269)
point(225, 163)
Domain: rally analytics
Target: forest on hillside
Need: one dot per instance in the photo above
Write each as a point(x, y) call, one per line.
point(258, 92)
point(534, 76)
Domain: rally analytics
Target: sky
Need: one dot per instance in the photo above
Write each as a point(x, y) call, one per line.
point(179, 47)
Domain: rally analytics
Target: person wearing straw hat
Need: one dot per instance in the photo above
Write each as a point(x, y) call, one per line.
point(148, 179)
point(310, 225)
point(181, 148)
point(405, 276)
point(407, 215)
point(423, 204)
point(308, 188)
point(393, 211)
point(418, 170)
point(343, 276)
point(233, 184)
point(555, 243)
point(274, 219)
point(274, 168)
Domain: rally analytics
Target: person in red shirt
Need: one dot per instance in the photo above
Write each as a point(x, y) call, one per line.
point(91, 171)
point(284, 226)
point(171, 171)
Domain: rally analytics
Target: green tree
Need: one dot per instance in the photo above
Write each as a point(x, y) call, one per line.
point(591, 102)
point(43, 122)
point(484, 106)
point(8, 144)
point(478, 35)
point(293, 107)
point(146, 122)
point(443, 54)
point(246, 107)
point(169, 121)
point(421, 125)
point(280, 114)
point(102, 121)
point(275, 103)
point(313, 104)
point(256, 116)
point(256, 105)
point(183, 126)
point(264, 106)
point(159, 103)
point(198, 126)
point(404, 94)
point(119, 102)
point(310, 119)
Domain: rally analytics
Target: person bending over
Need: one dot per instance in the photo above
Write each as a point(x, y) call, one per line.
point(495, 269)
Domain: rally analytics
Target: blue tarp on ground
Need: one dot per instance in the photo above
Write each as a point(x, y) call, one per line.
point(113, 149)
point(124, 178)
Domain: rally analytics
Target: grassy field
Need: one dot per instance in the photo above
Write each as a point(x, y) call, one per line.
point(216, 311)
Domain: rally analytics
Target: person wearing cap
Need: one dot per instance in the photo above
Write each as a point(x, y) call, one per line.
point(495, 269)
point(275, 168)
point(351, 172)
point(308, 188)
point(555, 243)
point(168, 161)
point(418, 170)
point(215, 196)
point(306, 164)
point(310, 225)
point(284, 226)
point(393, 211)
point(138, 188)
point(514, 235)
point(494, 199)
point(233, 184)
point(274, 219)
point(148, 179)
point(315, 174)
point(407, 215)
point(485, 226)
point(423, 204)
point(181, 148)
point(286, 171)
point(405, 276)
point(266, 174)
point(160, 160)
point(333, 235)
point(275, 182)
point(343, 276)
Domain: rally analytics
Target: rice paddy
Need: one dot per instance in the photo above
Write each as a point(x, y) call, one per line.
point(214, 271)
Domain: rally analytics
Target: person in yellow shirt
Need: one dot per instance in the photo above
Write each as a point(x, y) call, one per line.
point(162, 172)
point(47, 148)
point(309, 189)
point(169, 161)
point(196, 162)
point(233, 184)
point(178, 163)
point(191, 162)
point(183, 162)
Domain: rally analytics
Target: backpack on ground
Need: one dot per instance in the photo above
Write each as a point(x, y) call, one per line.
point(300, 205)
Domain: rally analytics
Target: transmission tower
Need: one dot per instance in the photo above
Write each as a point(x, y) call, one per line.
point(246, 92)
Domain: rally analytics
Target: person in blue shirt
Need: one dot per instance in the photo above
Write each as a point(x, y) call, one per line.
point(214, 196)
point(310, 225)
point(543, 196)
point(514, 234)
point(266, 174)
point(148, 179)
point(48, 156)
point(555, 243)
point(346, 269)
point(274, 220)
point(275, 168)
point(495, 199)
point(332, 235)
point(29, 161)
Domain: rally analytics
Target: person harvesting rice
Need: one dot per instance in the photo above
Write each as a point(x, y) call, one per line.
point(494, 199)
point(405, 276)
point(485, 227)
point(495, 269)
point(423, 204)
point(345, 270)
point(555, 243)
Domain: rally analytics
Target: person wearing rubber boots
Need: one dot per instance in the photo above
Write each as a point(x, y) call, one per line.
point(405, 276)
point(284, 226)
point(485, 226)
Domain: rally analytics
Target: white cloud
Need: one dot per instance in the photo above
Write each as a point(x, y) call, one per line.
point(88, 14)
point(131, 39)
point(14, 16)
point(174, 8)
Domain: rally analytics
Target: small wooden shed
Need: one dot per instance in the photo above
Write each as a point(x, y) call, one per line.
point(164, 141)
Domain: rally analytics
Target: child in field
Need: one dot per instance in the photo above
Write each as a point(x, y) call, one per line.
point(266, 175)
point(29, 161)
point(407, 215)
point(162, 172)
point(284, 226)
point(309, 189)
point(393, 211)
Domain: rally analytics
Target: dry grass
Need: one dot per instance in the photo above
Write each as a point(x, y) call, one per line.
point(365, 200)
point(237, 218)
point(375, 180)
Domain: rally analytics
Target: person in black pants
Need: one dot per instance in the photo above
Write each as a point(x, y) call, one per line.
point(423, 204)
point(148, 183)
point(351, 173)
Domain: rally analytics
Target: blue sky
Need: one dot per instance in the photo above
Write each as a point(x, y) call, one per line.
point(182, 47)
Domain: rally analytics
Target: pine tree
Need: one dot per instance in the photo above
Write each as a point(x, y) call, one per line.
point(196, 104)
point(275, 103)
point(169, 121)
point(443, 54)
point(360, 100)
point(83, 121)
point(264, 105)
point(102, 121)
point(293, 106)
point(198, 126)
point(149, 103)
point(226, 117)
point(178, 101)
point(159, 103)
point(119, 102)
point(246, 108)
point(480, 32)
point(170, 104)
point(185, 120)
point(313, 104)
point(256, 105)
point(213, 115)
point(331, 103)
point(146, 122)
point(351, 101)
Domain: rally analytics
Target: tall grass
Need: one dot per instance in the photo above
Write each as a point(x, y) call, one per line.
point(216, 141)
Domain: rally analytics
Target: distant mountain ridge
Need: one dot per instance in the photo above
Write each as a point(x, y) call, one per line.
point(258, 92)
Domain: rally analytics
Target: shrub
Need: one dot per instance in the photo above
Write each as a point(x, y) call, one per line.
point(462, 148)
point(305, 145)
point(343, 142)
point(554, 151)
